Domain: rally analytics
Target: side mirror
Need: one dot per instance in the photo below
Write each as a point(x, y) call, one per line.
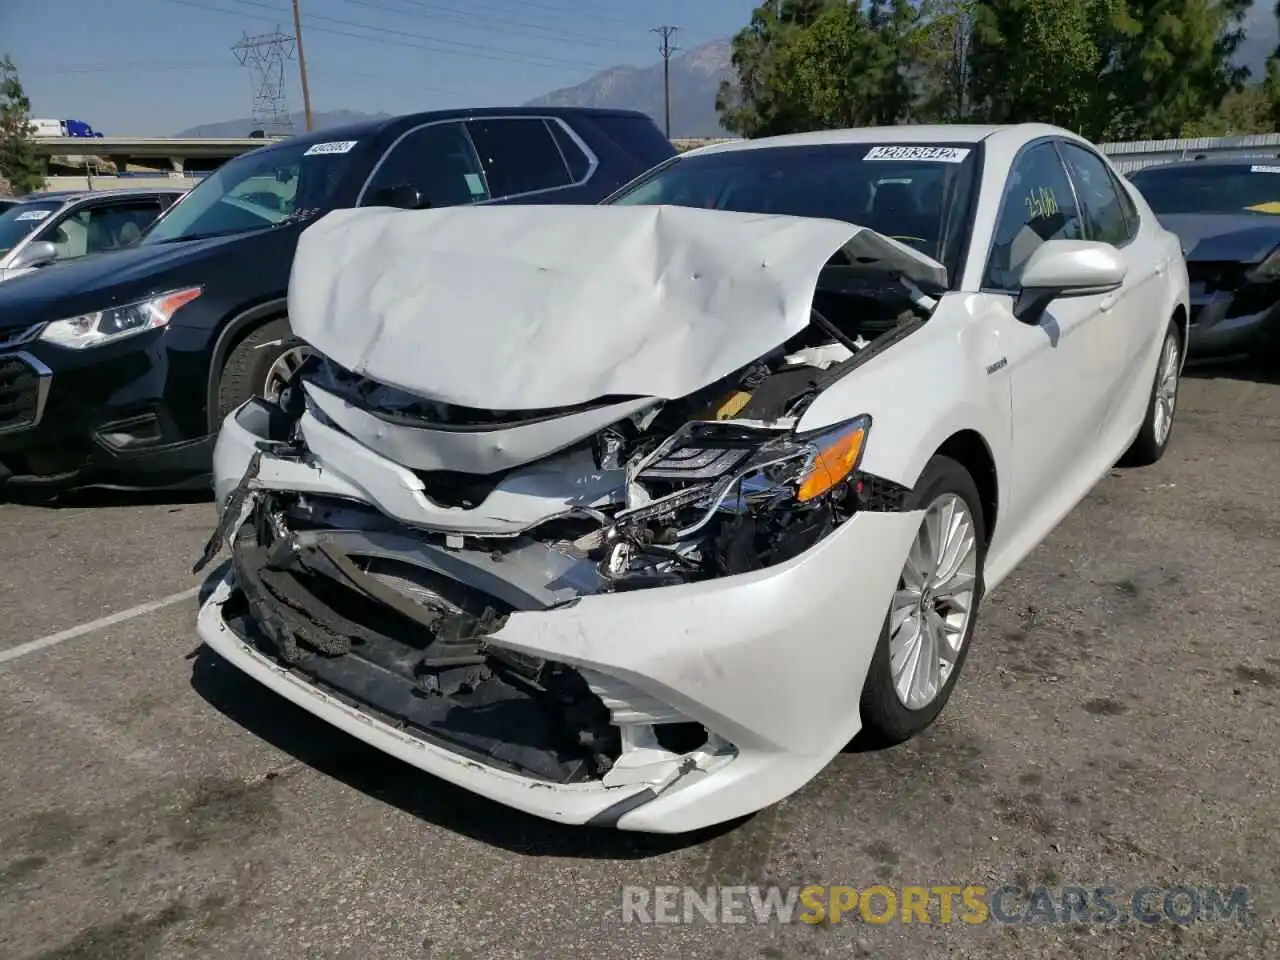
point(38, 253)
point(1067, 268)
point(403, 196)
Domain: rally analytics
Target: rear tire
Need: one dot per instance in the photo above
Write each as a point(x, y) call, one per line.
point(244, 374)
point(887, 717)
point(1157, 423)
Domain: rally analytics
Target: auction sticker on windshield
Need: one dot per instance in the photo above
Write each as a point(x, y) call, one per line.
point(32, 215)
point(333, 146)
point(936, 154)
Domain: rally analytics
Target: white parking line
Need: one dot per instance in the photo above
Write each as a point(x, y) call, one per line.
point(31, 646)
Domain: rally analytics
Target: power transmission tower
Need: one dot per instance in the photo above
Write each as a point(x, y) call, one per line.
point(666, 48)
point(265, 55)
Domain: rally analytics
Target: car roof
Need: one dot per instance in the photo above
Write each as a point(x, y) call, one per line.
point(1212, 163)
point(381, 124)
point(71, 196)
point(1006, 136)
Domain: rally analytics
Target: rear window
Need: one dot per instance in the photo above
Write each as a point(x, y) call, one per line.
point(638, 137)
point(1246, 188)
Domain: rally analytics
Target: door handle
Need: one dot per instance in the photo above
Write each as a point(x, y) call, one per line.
point(1161, 267)
point(1107, 304)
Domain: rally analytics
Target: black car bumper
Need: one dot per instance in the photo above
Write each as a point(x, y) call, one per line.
point(129, 415)
point(1237, 320)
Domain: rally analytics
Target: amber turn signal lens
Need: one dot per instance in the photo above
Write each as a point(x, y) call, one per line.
point(832, 465)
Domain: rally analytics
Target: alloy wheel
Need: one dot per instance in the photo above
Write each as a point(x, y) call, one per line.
point(282, 370)
point(930, 614)
point(1166, 391)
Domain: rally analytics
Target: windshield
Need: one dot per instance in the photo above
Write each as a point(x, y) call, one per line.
point(1247, 188)
point(915, 193)
point(259, 189)
point(18, 221)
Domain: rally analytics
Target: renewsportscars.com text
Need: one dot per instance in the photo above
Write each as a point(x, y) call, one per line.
point(938, 904)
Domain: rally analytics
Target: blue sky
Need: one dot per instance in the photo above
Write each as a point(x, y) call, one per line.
point(158, 66)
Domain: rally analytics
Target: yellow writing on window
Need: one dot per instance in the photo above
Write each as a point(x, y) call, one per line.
point(1041, 203)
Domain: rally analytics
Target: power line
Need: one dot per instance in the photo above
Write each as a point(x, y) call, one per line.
point(501, 54)
point(471, 21)
point(666, 48)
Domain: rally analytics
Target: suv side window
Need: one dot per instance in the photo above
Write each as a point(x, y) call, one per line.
point(519, 155)
point(1097, 190)
point(1038, 205)
point(94, 229)
point(438, 160)
point(579, 163)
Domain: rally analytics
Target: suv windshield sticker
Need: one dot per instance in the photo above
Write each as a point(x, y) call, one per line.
point(333, 146)
point(474, 183)
point(936, 154)
point(33, 215)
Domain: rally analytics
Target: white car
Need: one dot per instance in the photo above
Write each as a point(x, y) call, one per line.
point(44, 228)
point(635, 514)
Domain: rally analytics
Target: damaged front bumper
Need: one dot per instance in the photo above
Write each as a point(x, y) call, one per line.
point(661, 709)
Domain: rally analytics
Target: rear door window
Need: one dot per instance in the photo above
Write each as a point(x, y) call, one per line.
point(579, 163)
point(438, 160)
point(1103, 210)
point(519, 155)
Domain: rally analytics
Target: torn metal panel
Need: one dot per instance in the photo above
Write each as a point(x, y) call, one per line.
point(535, 307)
point(521, 499)
point(469, 451)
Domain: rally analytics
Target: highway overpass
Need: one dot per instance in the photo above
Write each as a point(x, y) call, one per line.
point(149, 157)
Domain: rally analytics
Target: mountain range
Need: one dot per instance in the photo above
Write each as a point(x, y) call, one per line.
point(695, 78)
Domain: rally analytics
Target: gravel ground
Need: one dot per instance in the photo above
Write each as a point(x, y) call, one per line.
point(1116, 725)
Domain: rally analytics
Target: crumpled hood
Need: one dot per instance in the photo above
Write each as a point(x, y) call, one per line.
point(537, 307)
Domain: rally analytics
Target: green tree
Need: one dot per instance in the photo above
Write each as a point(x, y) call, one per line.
point(762, 102)
point(940, 47)
point(19, 162)
point(1168, 64)
point(820, 64)
point(1037, 60)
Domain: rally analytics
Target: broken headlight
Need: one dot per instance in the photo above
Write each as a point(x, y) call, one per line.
point(718, 498)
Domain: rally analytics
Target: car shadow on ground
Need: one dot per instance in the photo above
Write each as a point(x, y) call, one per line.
point(336, 754)
point(1246, 369)
point(94, 498)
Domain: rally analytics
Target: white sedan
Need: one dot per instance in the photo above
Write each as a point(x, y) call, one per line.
point(635, 514)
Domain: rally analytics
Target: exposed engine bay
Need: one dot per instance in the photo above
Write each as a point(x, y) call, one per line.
point(395, 607)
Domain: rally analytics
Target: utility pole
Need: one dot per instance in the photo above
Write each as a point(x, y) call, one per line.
point(302, 64)
point(666, 48)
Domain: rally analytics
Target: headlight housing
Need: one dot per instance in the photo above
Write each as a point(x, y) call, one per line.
point(708, 462)
point(116, 323)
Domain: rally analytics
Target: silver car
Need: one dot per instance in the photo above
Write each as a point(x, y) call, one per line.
point(46, 228)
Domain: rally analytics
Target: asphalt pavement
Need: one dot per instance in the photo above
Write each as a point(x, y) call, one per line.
point(1116, 726)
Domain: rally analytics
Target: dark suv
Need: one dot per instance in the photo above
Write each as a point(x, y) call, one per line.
point(116, 370)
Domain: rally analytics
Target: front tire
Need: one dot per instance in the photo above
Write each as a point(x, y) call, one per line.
point(1157, 424)
point(256, 365)
point(925, 638)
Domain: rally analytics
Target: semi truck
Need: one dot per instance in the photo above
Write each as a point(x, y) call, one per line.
point(62, 128)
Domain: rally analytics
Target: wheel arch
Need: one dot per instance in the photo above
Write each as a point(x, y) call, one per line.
point(232, 332)
point(970, 449)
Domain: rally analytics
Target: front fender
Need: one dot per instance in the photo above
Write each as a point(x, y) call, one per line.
point(939, 381)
